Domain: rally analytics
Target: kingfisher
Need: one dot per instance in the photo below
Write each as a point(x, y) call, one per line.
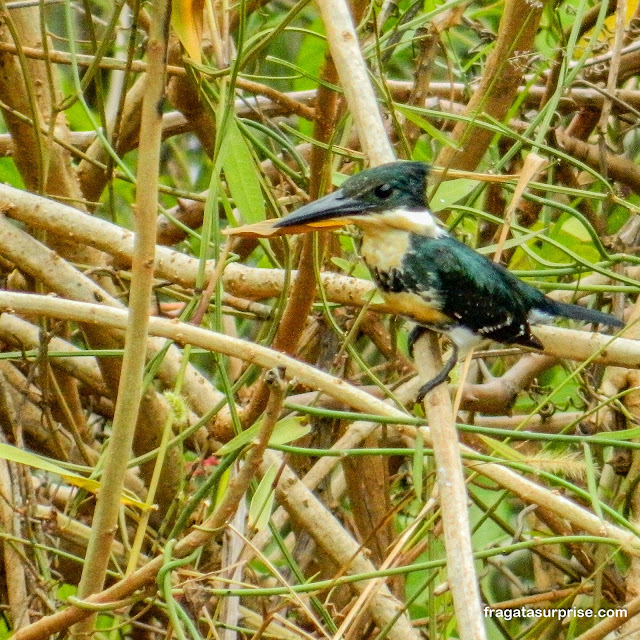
point(445, 285)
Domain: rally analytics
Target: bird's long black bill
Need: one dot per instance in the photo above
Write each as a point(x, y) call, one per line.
point(328, 211)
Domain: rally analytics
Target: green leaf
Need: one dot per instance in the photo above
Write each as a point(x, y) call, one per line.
point(376, 298)
point(286, 430)
point(354, 269)
point(241, 175)
point(262, 500)
point(510, 244)
point(289, 429)
point(626, 434)
point(450, 192)
point(505, 451)
point(186, 19)
point(311, 56)
point(341, 263)
point(574, 227)
point(339, 179)
point(426, 126)
point(9, 452)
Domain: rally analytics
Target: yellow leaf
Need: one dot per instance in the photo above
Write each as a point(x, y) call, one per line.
point(9, 452)
point(186, 19)
point(265, 229)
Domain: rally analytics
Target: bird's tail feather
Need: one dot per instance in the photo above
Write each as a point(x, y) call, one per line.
point(574, 312)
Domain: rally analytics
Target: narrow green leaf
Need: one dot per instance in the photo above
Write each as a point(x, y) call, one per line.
point(426, 126)
point(287, 430)
point(262, 500)
point(240, 441)
point(241, 175)
point(338, 178)
point(512, 243)
point(450, 192)
point(343, 264)
point(354, 269)
point(376, 298)
point(505, 451)
point(626, 434)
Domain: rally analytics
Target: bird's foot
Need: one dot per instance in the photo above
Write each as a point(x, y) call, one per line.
point(441, 377)
point(429, 386)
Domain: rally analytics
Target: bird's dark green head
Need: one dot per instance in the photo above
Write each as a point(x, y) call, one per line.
point(397, 185)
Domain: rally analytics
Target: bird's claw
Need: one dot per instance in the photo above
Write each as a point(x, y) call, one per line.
point(443, 376)
point(414, 335)
point(429, 386)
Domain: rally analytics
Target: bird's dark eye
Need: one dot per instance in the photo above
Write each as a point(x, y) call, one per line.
point(383, 190)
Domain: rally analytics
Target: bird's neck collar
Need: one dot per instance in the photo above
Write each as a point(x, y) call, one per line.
point(420, 222)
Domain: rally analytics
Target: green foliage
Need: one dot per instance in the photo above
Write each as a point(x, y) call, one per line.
point(241, 174)
point(285, 431)
point(262, 501)
point(449, 193)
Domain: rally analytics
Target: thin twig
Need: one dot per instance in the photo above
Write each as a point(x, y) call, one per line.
point(130, 390)
point(354, 79)
point(453, 495)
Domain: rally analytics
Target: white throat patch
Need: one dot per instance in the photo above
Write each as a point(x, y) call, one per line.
point(419, 222)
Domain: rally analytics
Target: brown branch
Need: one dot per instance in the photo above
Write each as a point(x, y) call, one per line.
point(305, 374)
point(27, 336)
point(260, 283)
point(329, 534)
point(62, 57)
point(11, 506)
point(146, 575)
point(429, 43)
point(618, 167)
point(302, 293)
point(452, 491)
point(498, 394)
point(607, 626)
point(499, 85)
point(354, 79)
